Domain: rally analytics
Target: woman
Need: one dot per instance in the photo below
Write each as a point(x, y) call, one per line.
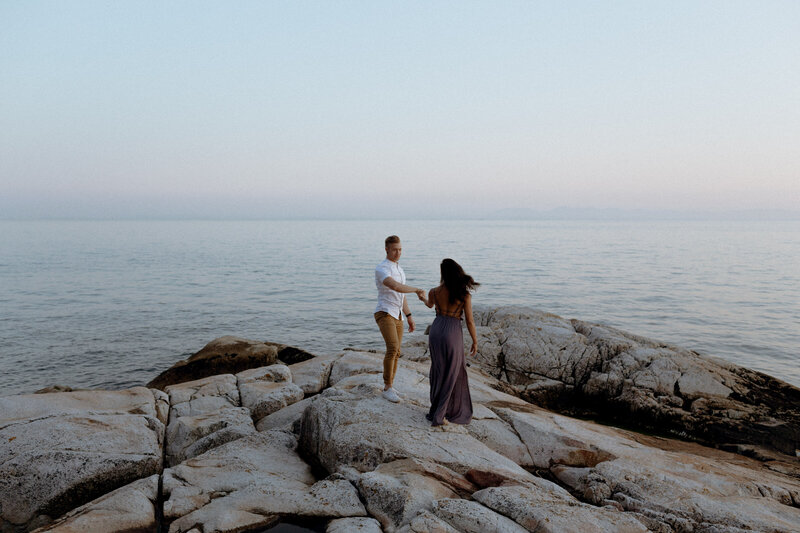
point(450, 399)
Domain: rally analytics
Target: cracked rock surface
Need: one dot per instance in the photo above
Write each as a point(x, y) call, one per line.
point(593, 370)
point(314, 440)
point(61, 450)
point(129, 508)
point(251, 482)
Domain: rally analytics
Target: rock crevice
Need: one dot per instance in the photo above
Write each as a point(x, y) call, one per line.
point(315, 440)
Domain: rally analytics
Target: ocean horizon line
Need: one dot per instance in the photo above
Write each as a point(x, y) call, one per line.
point(569, 215)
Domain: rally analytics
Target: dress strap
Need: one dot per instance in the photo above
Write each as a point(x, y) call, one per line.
point(453, 314)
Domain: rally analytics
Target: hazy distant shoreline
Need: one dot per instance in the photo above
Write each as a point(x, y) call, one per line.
point(557, 214)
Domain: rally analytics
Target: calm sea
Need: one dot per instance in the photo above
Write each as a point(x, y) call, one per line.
point(112, 303)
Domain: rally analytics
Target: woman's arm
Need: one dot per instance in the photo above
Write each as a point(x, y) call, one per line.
point(470, 324)
point(428, 301)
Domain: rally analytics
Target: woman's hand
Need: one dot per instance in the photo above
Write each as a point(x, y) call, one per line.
point(474, 349)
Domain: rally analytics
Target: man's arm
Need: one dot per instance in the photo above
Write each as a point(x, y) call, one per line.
point(406, 311)
point(400, 287)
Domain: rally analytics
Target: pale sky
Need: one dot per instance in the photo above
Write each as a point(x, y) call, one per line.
point(396, 108)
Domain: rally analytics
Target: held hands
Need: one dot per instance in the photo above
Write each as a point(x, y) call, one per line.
point(421, 294)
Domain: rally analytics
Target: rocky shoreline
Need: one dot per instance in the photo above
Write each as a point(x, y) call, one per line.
point(247, 434)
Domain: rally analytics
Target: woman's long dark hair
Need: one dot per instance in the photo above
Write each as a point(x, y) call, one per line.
point(458, 282)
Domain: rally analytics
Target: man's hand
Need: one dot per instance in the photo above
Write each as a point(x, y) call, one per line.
point(411, 325)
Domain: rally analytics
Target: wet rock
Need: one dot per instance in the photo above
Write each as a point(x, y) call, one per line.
point(225, 355)
point(61, 450)
point(55, 388)
point(290, 355)
point(131, 508)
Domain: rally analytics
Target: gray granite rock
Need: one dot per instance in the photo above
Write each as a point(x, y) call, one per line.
point(588, 369)
point(312, 375)
point(131, 508)
point(61, 450)
point(548, 509)
point(396, 492)
point(267, 390)
point(264, 398)
point(356, 362)
point(286, 419)
point(498, 435)
point(354, 525)
point(203, 396)
point(472, 517)
point(427, 522)
point(667, 481)
point(270, 374)
point(361, 429)
point(224, 355)
point(189, 436)
point(162, 405)
point(250, 483)
point(415, 347)
point(204, 414)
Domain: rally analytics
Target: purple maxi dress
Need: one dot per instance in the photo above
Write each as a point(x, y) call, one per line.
point(449, 385)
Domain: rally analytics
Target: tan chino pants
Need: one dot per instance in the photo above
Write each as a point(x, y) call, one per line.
point(392, 331)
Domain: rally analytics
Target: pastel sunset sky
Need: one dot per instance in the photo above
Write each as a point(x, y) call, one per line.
point(396, 108)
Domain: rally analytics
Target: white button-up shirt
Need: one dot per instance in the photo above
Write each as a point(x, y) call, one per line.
point(388, 300)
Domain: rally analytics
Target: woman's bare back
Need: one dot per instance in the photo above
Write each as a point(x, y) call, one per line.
point(441, 300)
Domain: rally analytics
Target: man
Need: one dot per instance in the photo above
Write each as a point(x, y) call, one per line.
point(392, 305)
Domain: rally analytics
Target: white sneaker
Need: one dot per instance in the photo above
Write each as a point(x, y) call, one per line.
point(391, 395)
